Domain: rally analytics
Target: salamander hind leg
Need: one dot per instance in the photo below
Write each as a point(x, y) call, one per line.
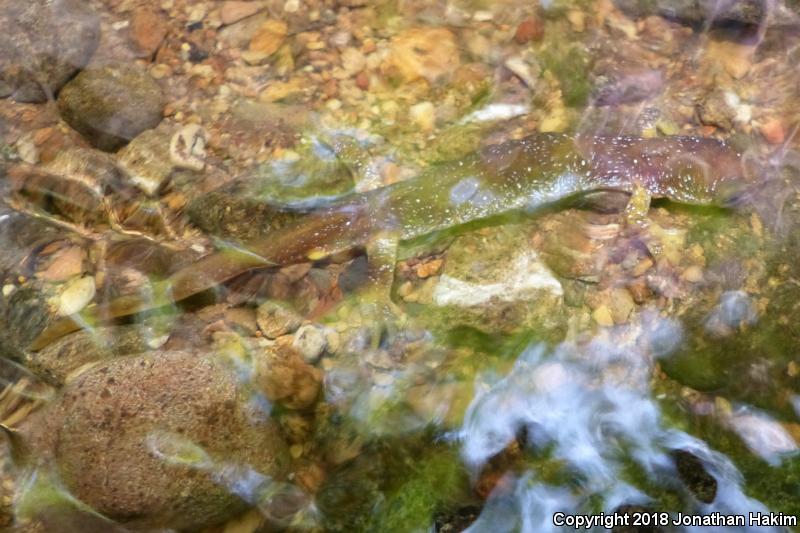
point(379, 316)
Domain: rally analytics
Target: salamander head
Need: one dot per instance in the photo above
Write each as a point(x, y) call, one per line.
point(732, 178)
point(707, 171)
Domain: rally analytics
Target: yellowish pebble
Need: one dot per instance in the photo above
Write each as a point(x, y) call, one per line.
point(602, 315)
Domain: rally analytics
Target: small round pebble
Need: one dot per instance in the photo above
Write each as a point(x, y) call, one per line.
point(275, 319)
point(311, 342)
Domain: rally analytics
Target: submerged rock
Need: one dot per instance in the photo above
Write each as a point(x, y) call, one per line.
point(275, 319)
point(285, 378)
point(699, 12)
point(423, 53)
point(111, 105)
point(494, 281)
point(693, 473)
point(147, 160)
point(158, 440)
point(43, 44)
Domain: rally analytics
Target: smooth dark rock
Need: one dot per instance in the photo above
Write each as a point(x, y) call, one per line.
point(43, 43)
point(694, 474)
point(111, 105)
point(699, 12)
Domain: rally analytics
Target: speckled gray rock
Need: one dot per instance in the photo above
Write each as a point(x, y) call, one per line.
point(311, 342)
point(111, 105)
point(699, 12)
point(494, 281)
point(42, 44)
point(104, 434)
point(275, 319)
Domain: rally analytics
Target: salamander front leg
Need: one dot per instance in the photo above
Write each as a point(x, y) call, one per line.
point(635, 213)
point(376, 297)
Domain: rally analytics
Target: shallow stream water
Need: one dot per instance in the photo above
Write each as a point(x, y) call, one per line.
point(398, 265)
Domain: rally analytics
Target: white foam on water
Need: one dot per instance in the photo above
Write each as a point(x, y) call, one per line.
point(763, 435)
point(589, 406)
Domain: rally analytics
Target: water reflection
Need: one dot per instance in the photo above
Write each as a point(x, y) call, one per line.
point(281, 503)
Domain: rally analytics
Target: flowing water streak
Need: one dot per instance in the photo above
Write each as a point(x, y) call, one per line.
point(586, 404)
point(281, 503)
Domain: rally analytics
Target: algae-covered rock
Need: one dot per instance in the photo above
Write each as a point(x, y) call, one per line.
point(111, 105)
point(158, 440)
point(42, 44)
point(394, 485)
point(494, 281)
point(698, 12)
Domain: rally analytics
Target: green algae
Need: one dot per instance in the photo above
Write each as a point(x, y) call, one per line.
point(570, 64)
point(434, 483)
point(395, 485)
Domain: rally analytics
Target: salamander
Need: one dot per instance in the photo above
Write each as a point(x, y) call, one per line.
point(524, 174)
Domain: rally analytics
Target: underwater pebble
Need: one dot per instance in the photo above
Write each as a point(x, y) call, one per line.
point(44, 43)
point(167, 421)
point(310, 341)
point(643, 266)
point(621, 305)
point(577, 19)
point(243, 319)
point(423, 115)
point(275, 319)
point(693, 274)
point(65, 264)
point(266, 41)
point(187, 148)
point(773, 131)
point(148, 29)
point(27, 151)
point(353, 61)
point(602, 315)
point(146, 160)
point(249, 522)
point(383, 379)
point(428, 268)
point(428, 53)
point(530, 29)
point(333, 340)
point(235, 10)
point(282, 375)
point(76, 295)
point(296, 451)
